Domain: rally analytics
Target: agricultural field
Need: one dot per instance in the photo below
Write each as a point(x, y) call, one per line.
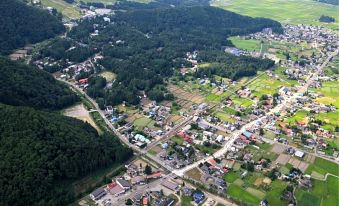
point(322, 167)
point(68, 10)
point(298, 117)
point(323, 193)
point(143, 122)
point(330, 92)
point(291, 11)
point(265, 84)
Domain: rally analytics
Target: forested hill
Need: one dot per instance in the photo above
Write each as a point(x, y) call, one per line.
point(22, 85)
point(21, 24)
point(39, 151)
point(145, 46)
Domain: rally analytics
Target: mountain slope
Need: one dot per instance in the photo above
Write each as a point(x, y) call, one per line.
point(21, 24)
point(22, 85)
point(40, 150)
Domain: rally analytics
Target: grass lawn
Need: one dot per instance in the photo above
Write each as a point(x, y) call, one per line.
point(231, 177)
point(177, 140)
point(241, 194)
point(255, 192)
point(245, 44)
point(186, 200)
point(290, 11)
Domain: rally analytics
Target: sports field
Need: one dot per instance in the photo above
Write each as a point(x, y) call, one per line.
point(286, 11)
point(245, 44)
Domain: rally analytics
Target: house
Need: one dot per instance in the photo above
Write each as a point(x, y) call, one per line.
point(170, 185)
point(116, 190)
point(154, 175)
point(97, 194)
point(123, 183)
point(138, 180)
point(198, 197)
point(299, 153)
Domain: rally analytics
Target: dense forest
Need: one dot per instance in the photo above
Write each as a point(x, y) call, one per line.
point(22, 85)
point(145, 46)
point(41, 150)
point(230, 66)
point(21, 24)
point(333, 2)
point(326, 19)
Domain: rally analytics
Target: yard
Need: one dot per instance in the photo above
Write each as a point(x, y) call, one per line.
point(108, 75)
point(143, 122)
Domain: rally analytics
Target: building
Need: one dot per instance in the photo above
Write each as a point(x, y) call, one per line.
point(170, 185)
point(198, 197)
point(123, 183)
point(97, 194)
point(299, 153)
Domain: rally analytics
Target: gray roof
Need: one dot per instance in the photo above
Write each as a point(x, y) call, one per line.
point(170, 185)
point(123, 183)
point(98, 192)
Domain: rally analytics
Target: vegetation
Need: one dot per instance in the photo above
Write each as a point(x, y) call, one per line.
point(41, 151)
point(162, 36)
point(334, 2)
point(326, 19)
point(21, 24)
point(22, 85)
point(292, 11)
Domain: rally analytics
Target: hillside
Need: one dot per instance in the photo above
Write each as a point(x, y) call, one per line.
point(40, 151)
point(154, 42)
point(22, 85)
point(21, 24)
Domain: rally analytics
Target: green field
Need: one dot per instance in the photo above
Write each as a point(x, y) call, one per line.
point(224, 116)
point(231, 177)
point(265, 84)
point(246, 44)
point(330, 90)
point(186, 200)
point(273, 195)
point(286, 11)
point(299, 116)
point(144, 122)
point(68, 10)
point(323, 166)
point(323, 193)
point(241, 194)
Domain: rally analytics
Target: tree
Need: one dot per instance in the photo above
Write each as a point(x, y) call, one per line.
point(129, 202)
point(148, 170)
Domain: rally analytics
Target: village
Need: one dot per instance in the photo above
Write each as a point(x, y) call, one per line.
point(223, 142)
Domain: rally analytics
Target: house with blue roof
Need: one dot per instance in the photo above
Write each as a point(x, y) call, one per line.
point(198, 197)
point(247, 134)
